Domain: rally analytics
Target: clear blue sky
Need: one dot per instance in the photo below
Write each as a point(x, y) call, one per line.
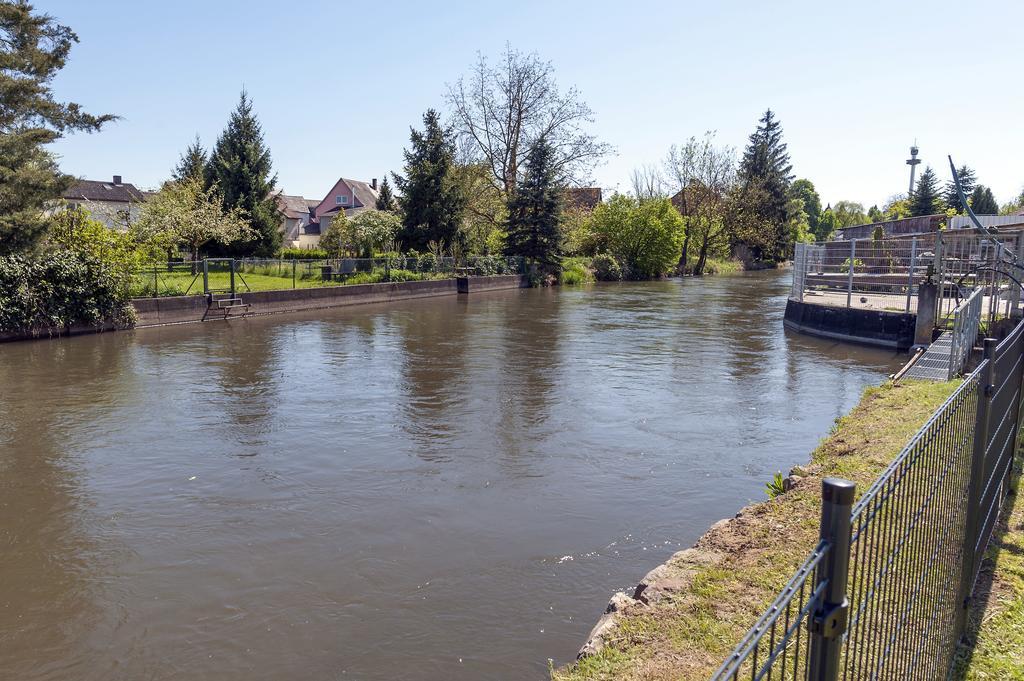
point(337, 84)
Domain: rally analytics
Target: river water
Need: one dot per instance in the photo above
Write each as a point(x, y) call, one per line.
point(447, 488)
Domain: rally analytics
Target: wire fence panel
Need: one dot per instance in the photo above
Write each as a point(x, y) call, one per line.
point(232, 275)
point(906, 550)
point(916, 541)
point(880, 274)
point(883, 274)
point(777, 647)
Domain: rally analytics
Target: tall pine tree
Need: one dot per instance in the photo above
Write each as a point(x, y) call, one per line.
point(33, 49)
point(192, 163)
point(983, 201)
point(533, 229)
point(240, 166)
point(926, 199)
point(765, 170)
point(967, 180)
point(385, 198)
point(431, 202)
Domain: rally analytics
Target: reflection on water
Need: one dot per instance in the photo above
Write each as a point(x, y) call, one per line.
point(438, 489)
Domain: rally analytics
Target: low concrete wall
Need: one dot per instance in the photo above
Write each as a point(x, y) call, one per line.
point(170, 310)
point(54, 332)
point(868, 327)
point(496, 283)
point(183, 309)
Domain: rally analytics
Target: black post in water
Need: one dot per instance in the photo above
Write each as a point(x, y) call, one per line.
point(828, 623)
point(972, 523)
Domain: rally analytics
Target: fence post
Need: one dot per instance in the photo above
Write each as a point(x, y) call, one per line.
point(910, 273)
point(849, 276)
point(974, 486)
point(829, 621)
point(232, 262)
point(294, 265)
point(156, 282)
point(206, 276)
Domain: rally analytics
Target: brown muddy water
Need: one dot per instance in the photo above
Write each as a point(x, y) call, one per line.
point(440, 489)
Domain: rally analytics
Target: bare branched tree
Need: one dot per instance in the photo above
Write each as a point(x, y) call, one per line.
point(701, 175)
point(648, 183)
point(500, 111)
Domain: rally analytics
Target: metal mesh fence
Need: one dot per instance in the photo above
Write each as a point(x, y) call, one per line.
point(897, 570)
point(906, 544)
point(216, 275)
point(777, 646)
point(883, 274)
point(866, 273)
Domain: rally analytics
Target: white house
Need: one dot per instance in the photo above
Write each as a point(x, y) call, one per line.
point(116, 204)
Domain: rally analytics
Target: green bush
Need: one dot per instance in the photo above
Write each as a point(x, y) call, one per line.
point(646, 237)
point(302, 254)
point(60, 288)
point(381, 275)
point(575, 272)
point(427, 262)
point(606, 267)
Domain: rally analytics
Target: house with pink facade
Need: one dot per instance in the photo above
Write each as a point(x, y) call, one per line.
point(350, 197)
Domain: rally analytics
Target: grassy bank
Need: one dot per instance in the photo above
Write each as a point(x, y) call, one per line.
point(177, 283)
point(689, 630)
point(995, 645)
point(716, 266)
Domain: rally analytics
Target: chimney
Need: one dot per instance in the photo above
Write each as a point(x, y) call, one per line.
point(373, 183)
point(117, 180)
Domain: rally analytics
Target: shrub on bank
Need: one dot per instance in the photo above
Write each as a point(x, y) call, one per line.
point(606, 267)
point(575, 272)
point(716, 266)
point(302, 254)
point(59, 289)
point(646, 238)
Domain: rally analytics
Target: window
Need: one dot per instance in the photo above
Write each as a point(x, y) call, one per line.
point(341, 200)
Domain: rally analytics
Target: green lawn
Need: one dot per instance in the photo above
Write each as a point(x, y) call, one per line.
point(995, 630)
point(180, 283)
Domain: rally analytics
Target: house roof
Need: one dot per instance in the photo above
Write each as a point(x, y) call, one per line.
point(364, 193)
point(94, 190)
point(349, 211)
point(293, 206)
point(585, 198)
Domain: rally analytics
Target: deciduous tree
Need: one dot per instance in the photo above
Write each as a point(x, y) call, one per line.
point(702, 175)
point(33, 50)
point(810, 202)
point(188, 214)
point(849, 213)
point(373, 230)
point(500, 111)
point(646, 237)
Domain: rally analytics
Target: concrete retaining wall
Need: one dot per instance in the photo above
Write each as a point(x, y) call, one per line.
point(183, 309)
point(869, 327)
